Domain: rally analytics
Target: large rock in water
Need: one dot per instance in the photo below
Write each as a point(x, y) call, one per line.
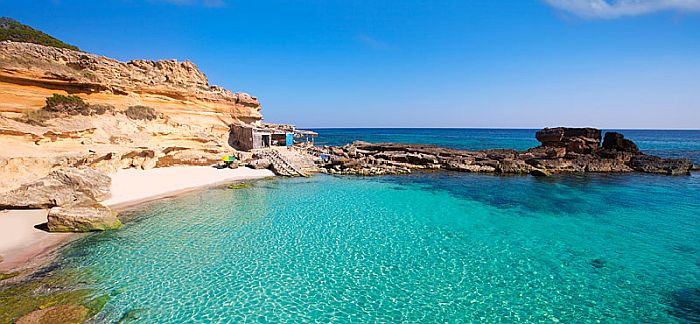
point(617, 142)
point(82, 219)
point(655, 164)
point(575, 140)
point(64, 187)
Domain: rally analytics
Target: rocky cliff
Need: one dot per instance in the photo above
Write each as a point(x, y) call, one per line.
point(186, 121)
point(29, 73)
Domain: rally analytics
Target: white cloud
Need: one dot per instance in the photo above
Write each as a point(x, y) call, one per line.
point(620, 8)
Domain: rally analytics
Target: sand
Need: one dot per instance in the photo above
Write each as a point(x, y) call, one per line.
point(22, 245)
point(133, 186)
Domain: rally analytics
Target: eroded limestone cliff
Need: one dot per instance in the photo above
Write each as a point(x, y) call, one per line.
point(29, 73)
point(191, 128)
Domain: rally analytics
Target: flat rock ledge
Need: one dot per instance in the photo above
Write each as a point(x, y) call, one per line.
point(562, 150)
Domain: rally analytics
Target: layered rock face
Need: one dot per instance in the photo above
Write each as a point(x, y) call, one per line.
point(63, 187)
point(563, 150)
point(575, 140)
point(73, 196)
point(190, 127)
point(29, 73)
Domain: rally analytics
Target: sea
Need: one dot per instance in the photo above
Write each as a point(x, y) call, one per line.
point(421, 248)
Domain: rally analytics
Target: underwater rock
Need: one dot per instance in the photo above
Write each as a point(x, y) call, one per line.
point(598, 263)
point(133, 315)
point(82, 219)
point(56, 315)
point(62, 187)
point(686, 304)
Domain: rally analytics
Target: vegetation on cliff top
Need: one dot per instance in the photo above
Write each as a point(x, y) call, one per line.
point(15, 31)
point(61, 105)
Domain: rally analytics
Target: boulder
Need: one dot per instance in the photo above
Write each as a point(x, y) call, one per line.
point(82, 219)
point(617, 142)
point(63, 187)
point(655, 164)
point(261, 163)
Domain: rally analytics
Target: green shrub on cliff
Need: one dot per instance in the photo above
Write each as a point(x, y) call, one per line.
point(71, 105)
point(15, 31)
point(141, 113)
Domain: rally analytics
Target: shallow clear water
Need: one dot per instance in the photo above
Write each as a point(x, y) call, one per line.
point(422, 248)
point(665, 143)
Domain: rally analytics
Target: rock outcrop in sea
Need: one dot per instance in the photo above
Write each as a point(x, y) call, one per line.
point(562, 150)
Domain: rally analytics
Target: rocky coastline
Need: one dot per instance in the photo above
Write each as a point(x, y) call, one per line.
point(562, 150)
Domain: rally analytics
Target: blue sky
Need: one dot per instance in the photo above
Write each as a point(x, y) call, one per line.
point(480, 63)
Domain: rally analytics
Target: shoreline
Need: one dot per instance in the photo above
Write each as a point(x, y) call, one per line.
point(25, 248)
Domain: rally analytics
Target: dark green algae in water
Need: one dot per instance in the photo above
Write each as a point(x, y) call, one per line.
point(46, 288)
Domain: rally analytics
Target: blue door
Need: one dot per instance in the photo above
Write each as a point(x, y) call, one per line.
point(290, 139)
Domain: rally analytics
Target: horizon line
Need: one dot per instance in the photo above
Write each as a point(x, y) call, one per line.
point(512, 128)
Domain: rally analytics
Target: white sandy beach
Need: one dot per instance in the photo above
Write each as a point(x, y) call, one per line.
point(133, 186)
point(21, 243)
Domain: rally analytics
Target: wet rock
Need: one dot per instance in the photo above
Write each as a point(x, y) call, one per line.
point(655, 164)
point(56, 315)
point(686, 304)
point(617, 142)
point(540, 172)
point(63, 187)
point(82, 219)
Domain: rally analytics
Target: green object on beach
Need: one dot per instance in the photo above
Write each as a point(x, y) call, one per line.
point(239, 185)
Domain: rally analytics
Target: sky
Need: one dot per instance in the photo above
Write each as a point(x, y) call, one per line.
point(414, 63)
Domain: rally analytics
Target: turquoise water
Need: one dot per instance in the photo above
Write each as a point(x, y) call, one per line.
point(431, 247)
point(665, 143)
